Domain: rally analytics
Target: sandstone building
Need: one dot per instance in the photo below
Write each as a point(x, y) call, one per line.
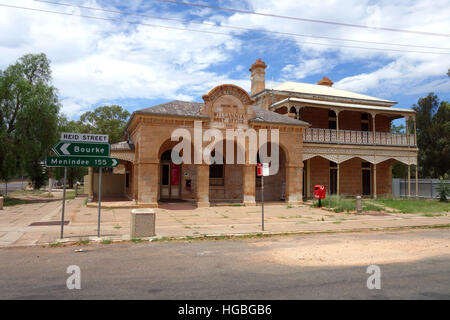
point(327, 136)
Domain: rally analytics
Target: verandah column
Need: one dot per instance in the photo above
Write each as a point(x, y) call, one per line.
point(374, 180)
point(148, 184)
point(203, 185)
point(373, 128)
point(294, 182)
point(249, 184)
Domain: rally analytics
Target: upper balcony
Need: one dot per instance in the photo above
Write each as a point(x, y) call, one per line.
point(318, 135)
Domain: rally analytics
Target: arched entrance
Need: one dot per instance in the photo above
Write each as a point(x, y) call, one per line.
point(170, 181)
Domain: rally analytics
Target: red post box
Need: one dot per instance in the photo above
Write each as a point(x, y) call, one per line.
point(319, 193)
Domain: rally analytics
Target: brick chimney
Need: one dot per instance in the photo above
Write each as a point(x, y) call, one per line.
point(325, 82)
point(258, 76)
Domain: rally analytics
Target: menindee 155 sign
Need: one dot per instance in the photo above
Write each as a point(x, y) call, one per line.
point(70, 161)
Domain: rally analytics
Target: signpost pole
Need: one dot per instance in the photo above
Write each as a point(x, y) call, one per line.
point(262, 202)
point(64, 202)
point(99, 199)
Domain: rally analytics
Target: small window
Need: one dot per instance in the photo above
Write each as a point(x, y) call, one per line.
point(364, 116)
point(331, 114)
point(333, 164)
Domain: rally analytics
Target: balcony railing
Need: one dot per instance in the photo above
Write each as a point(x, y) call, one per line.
point(357, 137)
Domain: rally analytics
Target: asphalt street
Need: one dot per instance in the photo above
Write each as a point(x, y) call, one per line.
point(215, 270)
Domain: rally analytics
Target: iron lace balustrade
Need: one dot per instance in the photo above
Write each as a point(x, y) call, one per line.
point(319, 135)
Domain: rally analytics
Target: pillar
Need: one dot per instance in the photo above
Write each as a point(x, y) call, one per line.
point(407, 132)
point(415, 133)
point(373, 128)
point(308, 178)
point(90, 190)
point(148, 185)
point(417, 178)
point(337, 125)
point(337, 180)
point(294, 182)
point(202, 185)
point(249, 184)
point(374, 180)
point(409, 180)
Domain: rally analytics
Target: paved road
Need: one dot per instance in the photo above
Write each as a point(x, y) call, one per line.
point(216, 270)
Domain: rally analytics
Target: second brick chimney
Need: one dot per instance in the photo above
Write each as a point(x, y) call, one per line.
point(325, 82)
point(258, 76)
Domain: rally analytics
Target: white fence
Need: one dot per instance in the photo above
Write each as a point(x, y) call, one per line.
point(428, 188)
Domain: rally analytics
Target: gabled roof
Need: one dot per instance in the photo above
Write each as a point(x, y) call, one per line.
point(192, 109)
point(176, 108)
point(314, 89)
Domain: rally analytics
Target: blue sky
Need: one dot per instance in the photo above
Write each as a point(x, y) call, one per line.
point(97, 62)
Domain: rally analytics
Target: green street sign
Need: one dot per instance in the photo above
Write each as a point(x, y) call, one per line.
point(65, 148)
point(69, 161)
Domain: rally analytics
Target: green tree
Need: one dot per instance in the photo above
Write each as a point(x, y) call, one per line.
point(110, 120)
point(433, 136)
point(29, 110)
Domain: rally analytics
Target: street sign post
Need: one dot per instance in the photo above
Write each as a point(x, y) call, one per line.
point(73, 161)
point(64, 148)
point(82, 150)
point(262, 170)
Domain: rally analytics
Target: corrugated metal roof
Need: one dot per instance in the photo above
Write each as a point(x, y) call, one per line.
point(315, 89)
point(339, 104)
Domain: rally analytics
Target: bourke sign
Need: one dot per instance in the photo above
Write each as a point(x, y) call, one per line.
point(258, 145)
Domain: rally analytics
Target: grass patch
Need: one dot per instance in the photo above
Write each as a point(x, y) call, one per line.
point(289, 206)
point(106, 241)
point(136, 240)
point(55, 244)
point(83, 242)
point(70, 195)
point(238, 204)
point(28, 192)
point(432, 214)
point(415, 205)
point(10, 201)
point(117, 227)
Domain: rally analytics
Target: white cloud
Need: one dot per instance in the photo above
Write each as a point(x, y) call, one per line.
point(95, 61)
point(405, 70)
point(100, 60)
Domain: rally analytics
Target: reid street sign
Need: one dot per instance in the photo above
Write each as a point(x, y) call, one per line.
point(69, 161)
point(64, 148)
point(84, 137)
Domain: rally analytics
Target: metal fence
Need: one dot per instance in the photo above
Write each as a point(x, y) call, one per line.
point(428, 188)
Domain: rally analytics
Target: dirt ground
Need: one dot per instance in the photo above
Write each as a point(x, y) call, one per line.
point(343, 250)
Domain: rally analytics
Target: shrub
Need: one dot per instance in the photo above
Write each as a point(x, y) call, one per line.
point(443, 189)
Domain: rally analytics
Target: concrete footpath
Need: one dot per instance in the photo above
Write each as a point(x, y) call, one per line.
point(185, 220)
